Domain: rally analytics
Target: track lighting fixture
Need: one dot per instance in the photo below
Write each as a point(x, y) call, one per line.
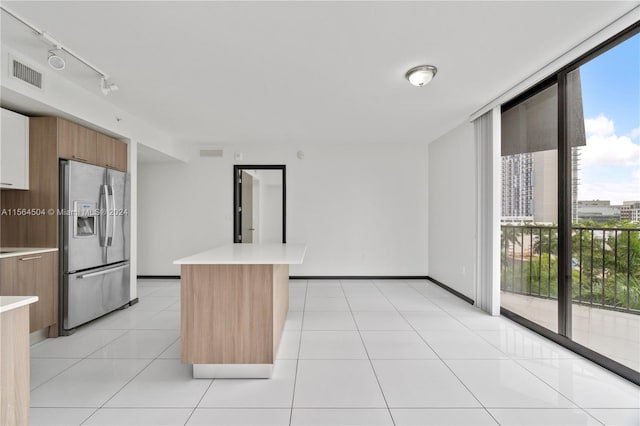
point(56, 61)
point(107, 87)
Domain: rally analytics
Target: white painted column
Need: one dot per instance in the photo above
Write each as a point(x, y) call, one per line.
point(133, 217)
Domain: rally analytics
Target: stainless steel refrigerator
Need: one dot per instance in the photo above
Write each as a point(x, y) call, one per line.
point(95, 242)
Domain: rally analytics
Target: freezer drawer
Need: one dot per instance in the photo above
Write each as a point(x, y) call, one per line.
point(93, 293)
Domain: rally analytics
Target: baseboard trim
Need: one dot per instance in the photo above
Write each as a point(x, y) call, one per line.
point(311, 277)
point(358, 277)
point(452, 291)
point(158, 277)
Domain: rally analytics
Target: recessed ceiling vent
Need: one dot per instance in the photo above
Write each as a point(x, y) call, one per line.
point(26, 73)
point(210, 153)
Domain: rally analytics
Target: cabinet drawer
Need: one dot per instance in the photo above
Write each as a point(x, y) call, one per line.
point(32, 275)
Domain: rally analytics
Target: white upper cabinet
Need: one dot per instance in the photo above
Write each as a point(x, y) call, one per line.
point(14, 151)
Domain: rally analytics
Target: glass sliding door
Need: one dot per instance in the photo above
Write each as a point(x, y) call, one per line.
point(529, 232)
point(570, 252)
point(606, 200)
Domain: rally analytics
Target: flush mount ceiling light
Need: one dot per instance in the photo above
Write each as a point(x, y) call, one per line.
point(421, 75)
point(56, 61)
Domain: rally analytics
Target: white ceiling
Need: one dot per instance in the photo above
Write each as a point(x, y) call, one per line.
point(307, 72)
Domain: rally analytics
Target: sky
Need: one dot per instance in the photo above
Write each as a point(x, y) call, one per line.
point(610, 162)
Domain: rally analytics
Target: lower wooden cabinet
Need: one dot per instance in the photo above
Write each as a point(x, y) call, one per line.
point(33, 275)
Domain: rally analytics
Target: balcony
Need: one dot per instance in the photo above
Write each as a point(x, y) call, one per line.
point(605, 277)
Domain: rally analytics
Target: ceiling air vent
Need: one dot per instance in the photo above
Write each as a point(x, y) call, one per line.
point(210, 153)
point(26, 73)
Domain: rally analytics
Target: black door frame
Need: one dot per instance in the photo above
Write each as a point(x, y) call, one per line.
point(563, 335)
point(237, 197)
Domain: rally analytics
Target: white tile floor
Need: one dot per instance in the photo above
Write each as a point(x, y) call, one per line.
point(614, 334)
point(353, 353)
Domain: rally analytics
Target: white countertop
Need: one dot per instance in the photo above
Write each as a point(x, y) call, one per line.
point(23, 251)
point(8, 303)
point(250, 254)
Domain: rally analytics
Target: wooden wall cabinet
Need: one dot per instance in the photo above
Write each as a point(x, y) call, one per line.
point(111, 153)
point(40, 230)
point(51, 138)
point(33, 275)
point(76, 142)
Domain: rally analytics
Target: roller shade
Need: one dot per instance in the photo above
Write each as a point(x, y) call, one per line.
point(532, 125)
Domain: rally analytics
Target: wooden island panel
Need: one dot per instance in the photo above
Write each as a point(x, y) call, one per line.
point(232, 313)
point(280, 303)
point(14, 367)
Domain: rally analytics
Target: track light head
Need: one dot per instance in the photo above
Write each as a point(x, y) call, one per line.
point(56, 61)
point(107, 87)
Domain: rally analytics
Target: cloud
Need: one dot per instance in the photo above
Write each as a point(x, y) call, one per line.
point(623, 191)
point(605, 147)
point(620, 185)
point(600, 126)
point(634, 133)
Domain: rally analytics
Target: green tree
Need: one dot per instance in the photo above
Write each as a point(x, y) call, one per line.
point(605, 262)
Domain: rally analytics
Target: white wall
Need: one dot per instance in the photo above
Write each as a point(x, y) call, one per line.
point(271, 213)
point(361, 209)
point(452, 209)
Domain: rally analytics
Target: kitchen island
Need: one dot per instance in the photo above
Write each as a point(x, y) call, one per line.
point(14, 359)
point(233, 304)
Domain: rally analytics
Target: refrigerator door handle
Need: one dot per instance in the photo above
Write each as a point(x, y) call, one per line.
point(110, 205)
point(104, 215)
point(103, 272)
point(113, 214)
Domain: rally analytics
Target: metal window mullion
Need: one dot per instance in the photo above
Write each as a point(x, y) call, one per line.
point(615, 269)
point(564, 212)
point(604, 264)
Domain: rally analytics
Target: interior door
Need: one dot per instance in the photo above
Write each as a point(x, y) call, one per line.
point(259, 203)
point(247, 208)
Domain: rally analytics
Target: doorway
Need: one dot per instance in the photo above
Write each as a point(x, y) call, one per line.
point(259, 198)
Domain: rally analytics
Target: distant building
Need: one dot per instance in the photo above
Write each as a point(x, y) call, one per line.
point(517, 187)
point(598, 210)
point(530, 186)
point(630, 211)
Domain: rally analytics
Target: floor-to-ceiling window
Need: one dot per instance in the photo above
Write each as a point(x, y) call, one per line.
point(570, 240)
point(529, 272)
point(606, 228)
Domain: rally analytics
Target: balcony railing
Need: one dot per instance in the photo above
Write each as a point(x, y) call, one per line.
point(605, 264)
